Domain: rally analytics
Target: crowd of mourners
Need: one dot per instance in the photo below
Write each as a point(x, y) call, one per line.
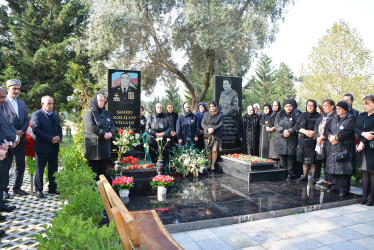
point(331, 135)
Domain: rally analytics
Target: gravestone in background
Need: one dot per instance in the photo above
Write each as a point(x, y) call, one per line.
point(227, 92)
point(124, 98)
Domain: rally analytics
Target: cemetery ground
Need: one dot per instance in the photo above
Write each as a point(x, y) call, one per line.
point(204, 213)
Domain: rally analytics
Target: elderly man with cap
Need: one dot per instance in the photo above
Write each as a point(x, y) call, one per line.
point(340, 163)
point(16, 112)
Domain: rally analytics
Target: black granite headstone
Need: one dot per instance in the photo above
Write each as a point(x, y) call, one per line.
point(227, 92)
point(124, 98)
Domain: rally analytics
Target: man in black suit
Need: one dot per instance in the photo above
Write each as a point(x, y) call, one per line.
point(127, 88)
point(7, 134)
point(48, 134)
point(16, 112)
point(349, 98)
point(3, 150)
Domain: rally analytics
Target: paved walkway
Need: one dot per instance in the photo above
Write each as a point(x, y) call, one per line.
point(349, 227)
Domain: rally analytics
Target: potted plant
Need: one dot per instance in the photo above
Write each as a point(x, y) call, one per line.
point(162, 182)
point(127, 140)
point(123, 185)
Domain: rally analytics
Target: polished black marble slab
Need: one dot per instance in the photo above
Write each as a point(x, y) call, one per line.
point(218, 196)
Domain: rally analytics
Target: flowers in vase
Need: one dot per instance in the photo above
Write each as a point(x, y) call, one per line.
point(187, 159)
point(127, 140)
point(123, 182)
point(160, 148)
point(162, 181)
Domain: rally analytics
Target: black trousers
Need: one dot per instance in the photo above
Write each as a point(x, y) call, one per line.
point(99, 167)
point(342, 182)
point(4, 175)
point(287, 162)
point(18, 153)
point(41, 162)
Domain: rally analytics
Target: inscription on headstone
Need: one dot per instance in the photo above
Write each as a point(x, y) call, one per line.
point(227, 92)
point(124, 98)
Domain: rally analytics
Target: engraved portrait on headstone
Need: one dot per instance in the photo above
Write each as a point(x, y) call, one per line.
point(227, 92)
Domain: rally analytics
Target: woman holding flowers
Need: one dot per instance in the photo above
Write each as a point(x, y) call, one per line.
point(98, 129)
point(212, 124)
point(158, 128)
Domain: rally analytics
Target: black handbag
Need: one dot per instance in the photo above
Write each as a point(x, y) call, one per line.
point(342, 156)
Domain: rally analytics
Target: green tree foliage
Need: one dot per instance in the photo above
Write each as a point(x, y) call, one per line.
point(339, 64)
point(42, 32)
point(172, 96)
point(269, 84)
point(185, 40)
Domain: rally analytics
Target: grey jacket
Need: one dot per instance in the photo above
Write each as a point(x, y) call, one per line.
point(6, 127)
point(286, 145)
point(95, 127)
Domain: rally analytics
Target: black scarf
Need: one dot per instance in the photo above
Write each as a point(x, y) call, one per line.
point(94, 105)
point(266, 118)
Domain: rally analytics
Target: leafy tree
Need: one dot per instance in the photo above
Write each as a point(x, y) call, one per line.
point(42, 32)
point(340, 63)
point(269, 84)
point(172, 96)
point(184, 40)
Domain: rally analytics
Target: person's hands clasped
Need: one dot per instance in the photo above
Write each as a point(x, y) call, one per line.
point(286, 133)
point(360, 147)
point(210, 130)
point(108, 135)
point(56, 139)
point(160, 135)
point(368, 135)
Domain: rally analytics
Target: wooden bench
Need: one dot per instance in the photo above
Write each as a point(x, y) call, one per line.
point(138, 229)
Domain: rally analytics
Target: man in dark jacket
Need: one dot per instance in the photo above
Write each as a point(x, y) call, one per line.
point(349, 99)
point(48, 135)
point(16, 112)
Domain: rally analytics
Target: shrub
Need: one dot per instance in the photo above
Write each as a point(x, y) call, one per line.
point(73, 232)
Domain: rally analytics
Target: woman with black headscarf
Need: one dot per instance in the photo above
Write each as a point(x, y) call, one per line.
point(341, 139)
point(271, 129)
point(250, 132)
point(158, 126)
point(98, 130)
point(265, 123)
point(286, 140)
point(199, 130)
point(186, 126)
point(306, 142)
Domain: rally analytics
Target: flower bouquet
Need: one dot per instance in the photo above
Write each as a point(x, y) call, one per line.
point(188, 159)
point(160, 148)
point(127, 140)
point(123, 184)
point(162, 182)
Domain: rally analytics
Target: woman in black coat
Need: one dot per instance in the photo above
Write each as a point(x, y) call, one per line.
point(186, 126)
point(158, 126)
point(250, 132)
point(286, 139)
point(322, 145)
point(199, 130)
point(265, 123)
point(341, 139)
point(173, 117)
point(212, 124)
point(98, 130)
point(306, 141)
point(365, 149)
point(272, 133)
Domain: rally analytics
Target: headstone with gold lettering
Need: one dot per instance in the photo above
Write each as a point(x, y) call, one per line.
point(227, 92)
point(124, 98)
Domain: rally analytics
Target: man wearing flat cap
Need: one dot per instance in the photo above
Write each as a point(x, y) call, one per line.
point(16, 112)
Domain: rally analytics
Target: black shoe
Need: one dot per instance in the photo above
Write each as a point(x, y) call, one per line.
point(5, 208)
point(18, 191)
point(332, 189)
point(53, 192)
point(2, 218)
point(302, 179)
point(39, 195)
point(6, 195)
point(2, 232)
point(370, 203)
point(343, 193)
point(313, 181)
point(363, 200)
point(288, 178)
